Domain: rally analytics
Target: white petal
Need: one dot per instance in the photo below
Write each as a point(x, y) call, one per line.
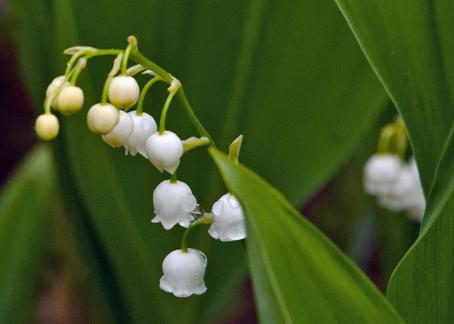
point(183, 273)
point(165, 150)
point(228, 222)
point(144, 127)
point(171, 202)
point(380, 173)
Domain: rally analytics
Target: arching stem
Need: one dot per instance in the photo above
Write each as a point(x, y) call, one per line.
point(206, 219)
point(145, 89)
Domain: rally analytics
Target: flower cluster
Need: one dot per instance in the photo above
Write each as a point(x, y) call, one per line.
point(137, 132)
point(394, 182)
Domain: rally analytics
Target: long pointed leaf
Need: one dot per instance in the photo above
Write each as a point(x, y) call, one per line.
point(409, 44)
point(299, 275)
point(25, 210)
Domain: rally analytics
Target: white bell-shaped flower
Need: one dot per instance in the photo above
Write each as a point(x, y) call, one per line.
point(123, 91)
point(144, 127)
point(47, 127)
point(53, 86)
point(164, 151)
point(380, 173)
point(228, 224)
point(173, 203)
point(102, 118)
point(70, 100)
point(118, 136)
point(183, 273)
point(416, 212)
point(406, 193)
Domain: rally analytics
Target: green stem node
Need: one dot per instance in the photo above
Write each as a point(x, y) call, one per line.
point(173, 178)
point(206, 219)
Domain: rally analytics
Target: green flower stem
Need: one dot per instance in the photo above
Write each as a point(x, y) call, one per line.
point(48, 102)
point(162, 121)
point(173, 178)
point(77, 71)
point(124, 63)
point(206, 219)
point(103, 52)
point(145, 89)
point(74, 59)
point(105, 89)
point(138, 57)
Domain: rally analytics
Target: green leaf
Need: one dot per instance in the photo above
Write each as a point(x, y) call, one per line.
point(299, 275)
point(25, 210)
point(285, 99)
point(421, 285)
point(268, 70)
point(409, 45)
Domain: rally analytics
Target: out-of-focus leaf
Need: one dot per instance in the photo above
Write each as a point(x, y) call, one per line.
point(410, 46)
point(286, 99)
point(25, 210)
point(299, 275)
point(421, 285)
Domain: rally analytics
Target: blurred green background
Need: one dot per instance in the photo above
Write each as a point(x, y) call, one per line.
point(75, 234)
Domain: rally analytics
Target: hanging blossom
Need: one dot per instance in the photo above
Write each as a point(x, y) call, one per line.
point(144, 127)
point(137, 131)
point(228, 217)
point(381, 173)
point(173, 203)
point(396, 185)
point(120, 133)
point(164, 151)
point(183, 273)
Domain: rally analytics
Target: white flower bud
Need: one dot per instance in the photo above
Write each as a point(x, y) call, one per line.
point(183, 273)
point(164, 151)
point(380, 173)
point(123, 91)
point(118, 136)
point(47, 127)
point(173, 204)
point(102, 118)
point(53, 86)
point(144, 127)
point(228, 222)
point(70, 100)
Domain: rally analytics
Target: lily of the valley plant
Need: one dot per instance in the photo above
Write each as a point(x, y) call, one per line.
point(138, 132)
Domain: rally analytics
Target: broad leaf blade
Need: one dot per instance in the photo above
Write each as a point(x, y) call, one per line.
point(299, 275)
point(232, 77)
point(25, 210)
point(421, 285)
point(409, 45)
